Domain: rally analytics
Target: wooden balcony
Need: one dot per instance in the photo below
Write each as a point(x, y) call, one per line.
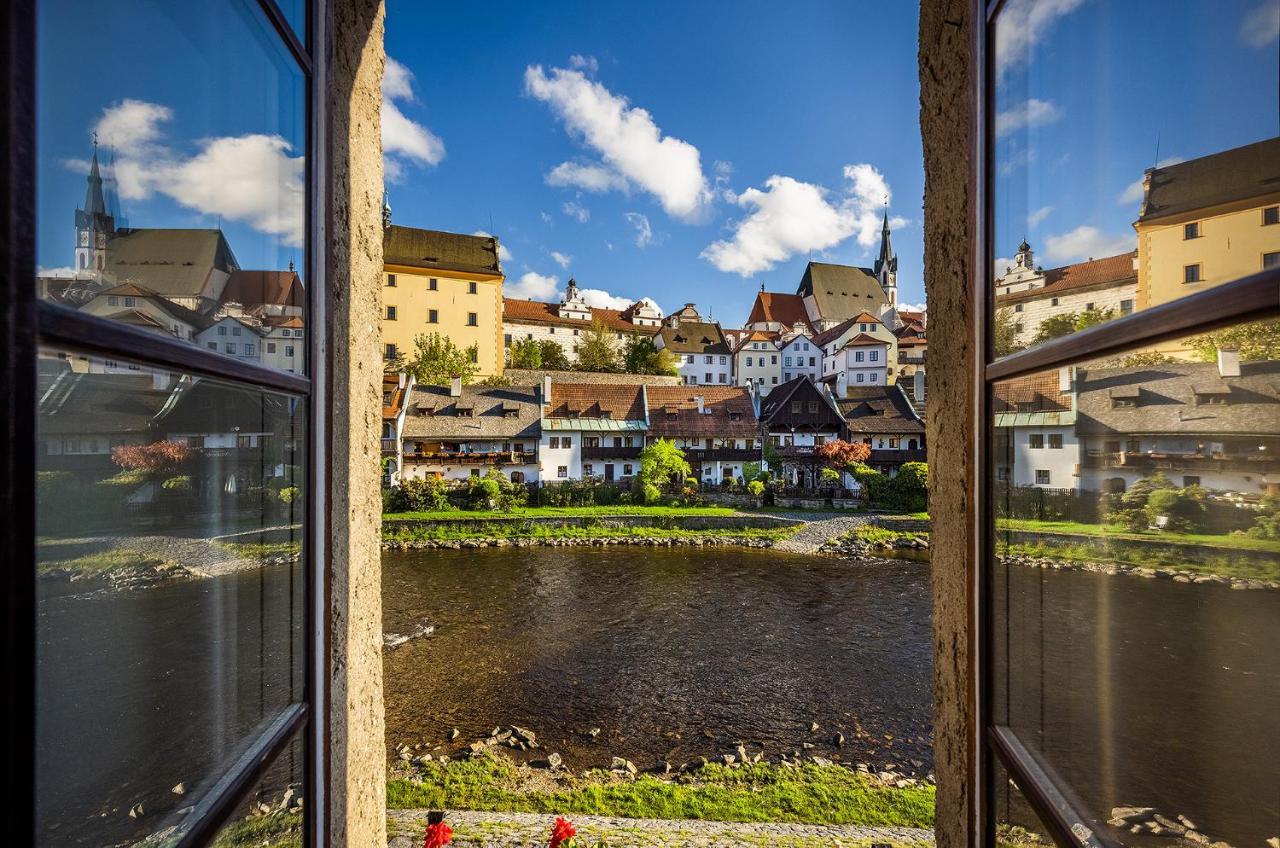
point(610, 452)
point(1259, 462)
point(473, 457)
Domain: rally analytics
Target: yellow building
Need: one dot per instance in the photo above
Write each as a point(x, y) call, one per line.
point(1208, 221)
point(447, 283)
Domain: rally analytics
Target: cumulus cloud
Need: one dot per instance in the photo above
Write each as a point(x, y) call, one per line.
point(404, 141)
point(576, 211)
point(1085, 242)
point(1039, 215)
point(562, 259)
point(584, 63)
point(248, 178)
point(913, 307)
point(588, 176)
point(533, 286)
point(1133, 192)
point(789, 217)
point(504, 255)
point(1261, 26)
point(1026, 115)
point(644, 232)
point(546, 218)
point(629, 143)
point(1022, 25)
point(601, 299)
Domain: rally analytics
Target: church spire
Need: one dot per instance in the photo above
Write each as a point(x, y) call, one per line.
point(95, 226)
point(93, 202)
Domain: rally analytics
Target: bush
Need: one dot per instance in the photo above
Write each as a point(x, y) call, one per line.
point(288, 494)
point(652, 494)
point(756, 488)
point(414, 495)
point(1267, 525)
point(55, 486)
point(1183, 509)
point(830, 478)
point(180, 483)
point(906, 492)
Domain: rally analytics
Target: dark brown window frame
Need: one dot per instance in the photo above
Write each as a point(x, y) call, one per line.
point(1251, 298)
point(26, 323)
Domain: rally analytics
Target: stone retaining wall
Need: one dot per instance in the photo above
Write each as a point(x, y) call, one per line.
point(665, 522)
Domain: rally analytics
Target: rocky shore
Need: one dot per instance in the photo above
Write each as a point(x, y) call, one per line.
point(582, 542)
point(1177, 575)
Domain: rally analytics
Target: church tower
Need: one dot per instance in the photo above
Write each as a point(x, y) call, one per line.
point(94, 225)
point(886, 267)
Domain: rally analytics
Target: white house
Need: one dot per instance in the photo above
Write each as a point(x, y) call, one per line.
point(757, 362)
point(458, 432)
point(1035, 426)
point(567, 322)
point(1029, 294)
point(800, 356)
point(591, 430)
point(700, 346)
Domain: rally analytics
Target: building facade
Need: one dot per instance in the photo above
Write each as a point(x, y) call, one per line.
point(1030, 295)
point(883, 418)
point(458, 432)
point(715, 426)
point(592, 431)
point(703, 353)
point(567, 322)
point(757, 362)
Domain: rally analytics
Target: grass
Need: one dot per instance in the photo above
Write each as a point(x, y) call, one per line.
point(274, 830)
point(1112, 531)
point(558, 512)
point(260, 550)
point(102, 562)
point(873, 534)
point(1223, 565)
point(807, 794)
point(541, 532)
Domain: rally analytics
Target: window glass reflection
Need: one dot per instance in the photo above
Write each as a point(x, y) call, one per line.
point(171, 178)
point(170, 605)
point(1017, 825)
point(1119, 183)
point(1137, 584)
point(272, 814)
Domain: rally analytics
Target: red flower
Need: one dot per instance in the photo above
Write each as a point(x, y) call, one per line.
point(562, 832)
point(438, 835)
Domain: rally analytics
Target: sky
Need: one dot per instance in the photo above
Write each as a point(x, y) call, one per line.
point(680, 152)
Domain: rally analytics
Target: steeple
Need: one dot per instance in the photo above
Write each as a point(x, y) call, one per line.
point(95, 226)
point(886, 267)
point(93, 202)
point(386, 209)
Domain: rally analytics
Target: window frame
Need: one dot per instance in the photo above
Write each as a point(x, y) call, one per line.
point(1250, 298)
point(30, 322)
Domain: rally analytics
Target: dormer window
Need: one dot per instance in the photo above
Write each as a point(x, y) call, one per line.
point(735, 416)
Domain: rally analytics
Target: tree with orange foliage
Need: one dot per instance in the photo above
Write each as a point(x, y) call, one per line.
point(840, 454)
point(155, 458)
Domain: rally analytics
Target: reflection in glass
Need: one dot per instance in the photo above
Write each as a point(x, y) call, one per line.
point(169, 588)
point(1136, 593)
point(1017, 825)
point(1121, 183)
point(272, 814)
point(171, 186)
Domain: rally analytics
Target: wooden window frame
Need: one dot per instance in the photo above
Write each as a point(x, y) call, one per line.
point(29, 322)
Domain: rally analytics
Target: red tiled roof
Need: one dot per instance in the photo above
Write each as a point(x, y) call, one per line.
point(257, 288)
point(673, 411)
point(863, 339)
point(787, 309)
point(515, 311)
point(1033, 393)
point(283, 321)
point(757, 336)
point(620, 403)
point(1096, 273)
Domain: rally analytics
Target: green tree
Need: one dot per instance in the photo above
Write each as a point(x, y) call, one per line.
point(1255, 341)
point(660, 463)
point(642, 356)
point(553, 358)
point(596, 351)
point(437, 360)
point(1066, 323)
point(1005, 332)
point(1145, 358)
point(525, 353)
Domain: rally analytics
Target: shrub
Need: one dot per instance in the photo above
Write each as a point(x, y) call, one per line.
point(288, 494)
point(484, 493)
point(55, 486)
point(180, 483)
point(154, 458)
point(756, 488)
point(1183, 509)
point(1267, 525)
point(652, 494)
point(414, 495)
point(830, 477)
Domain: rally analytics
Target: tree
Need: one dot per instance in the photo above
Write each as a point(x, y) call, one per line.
point(525, 353)
point(660, 463)
point(1066, 323)
point(1005, 332)
point(596, 351)
point(839, 454)
point(437, 360)
point(1255, 341)
point(553, 358)
point(642, 356)
point(155, 458)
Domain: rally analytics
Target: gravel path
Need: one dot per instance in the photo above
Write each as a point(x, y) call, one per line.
point(508, 830)
point(817, 531)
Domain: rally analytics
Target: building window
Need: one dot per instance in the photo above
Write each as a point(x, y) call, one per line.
point(1017, 307)
point(1190, 480)
point(213, 345)
point(473, 320)
point(389, 351)
point(874, 356)
point(1055, 441)
point(222, 331)
point(248, 349)
point(813, 407)
point(1271, 260)
point(626, 469)
point(433, 316)
point(229, 347)
point(391, 281)
point(1126, 306)
point(471, 288)
point(391, 313)
point(1036, 441)
point(1191, 231)
point(588, 469)
point(1190, 273)
point(858, 356)
point(748, 362)
point(1042, 476)
point(271, 347)
point(562, 471)
point(724, 378)
point(1053, 301)
point(724, 360)
point(861, 377)
point(235, 331)
point(796, 407)
point(473, 353)
point(706, 360)
point(1270, 215)
point(433, 284)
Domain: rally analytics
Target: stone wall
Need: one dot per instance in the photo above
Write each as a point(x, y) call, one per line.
point(669, 522)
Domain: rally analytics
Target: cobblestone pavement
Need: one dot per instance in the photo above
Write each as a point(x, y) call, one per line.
point(819, 528)
point(508, 830)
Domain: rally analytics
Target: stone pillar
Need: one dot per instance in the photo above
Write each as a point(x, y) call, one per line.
point(357, 746)
point(946, 124)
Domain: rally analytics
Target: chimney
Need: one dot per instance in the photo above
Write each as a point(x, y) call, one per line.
point(1066, 377)
point(546, 389)
point(455, 387)
point(918, 386)
point(1228, 362)
point(702, 408)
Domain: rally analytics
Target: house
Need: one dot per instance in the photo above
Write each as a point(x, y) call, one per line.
point(700, 346)
point(233, 335)
point(757, 362)
point(266, 293)
point(132, 304)
point(1035, 431)
point(801, 355)
point(446, 283)
point(566, 322)
point(796, 417)
point(715, 426)
point(777, 311)
point(592, 431)
point(1030, 294)
point(1199, 423)
point(861, 346)
point(395, 404)
point(283, 342)
point(458, 432)
point(883, 418)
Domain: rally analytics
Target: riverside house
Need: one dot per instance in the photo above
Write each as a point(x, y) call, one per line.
point(395, 396)
point(458, 432)
point(1035, 432)
point(883, 418)
point(591, 431)
point(715, 426)
point(796, 417)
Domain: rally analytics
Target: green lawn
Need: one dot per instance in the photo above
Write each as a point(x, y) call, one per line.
point(808, 794)
point(559, 512)
point(1111, 531)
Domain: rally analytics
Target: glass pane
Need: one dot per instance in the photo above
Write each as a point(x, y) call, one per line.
point(1112, 197)
point(1017, 825)
point(172, 186)
point(170, 588)
point(295, 12)
point(1137, 585)
point(271, 817)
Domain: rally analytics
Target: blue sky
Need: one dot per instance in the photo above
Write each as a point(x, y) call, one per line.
point(684, 152)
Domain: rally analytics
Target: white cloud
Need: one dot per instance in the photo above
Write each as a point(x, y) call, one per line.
point(913, 307)
point(561, 259)
point(1034, 219)
point(601, 299)
point(628, 141)
point(404, 141)
point(63, 272)
point(132, 124)
point(644, 232)
point(584, 63)
point(1026, 115)
point(1022, 24)
point(546, 218)
point(1085, 242)
point(576, 211)
point(1001, 265)
point(590, 177)
point(533, 286)
point(1133, 192)
point(789, 217)
point(504, 255)
point(1262, 25)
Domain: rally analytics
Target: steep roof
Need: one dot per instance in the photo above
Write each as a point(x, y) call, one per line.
point(695, 337)
point(862, 340)
point(771, 336)
point(534, 376)
point(614, 402)
point(840, 290)
point(495, 412)
point(729, 412)
point(264, 288)
point(516, 311)
point(99, 404)
point(187, 316)
point(1033, 393)
point(1164, 399)
point(172, 263)
point(1105, 273)
point(879, 409)
point(776, 401)
point(438, 250)
point(1238, 174)
point(786, 309)
point(822, 339)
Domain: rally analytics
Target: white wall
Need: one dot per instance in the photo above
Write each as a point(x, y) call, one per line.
point(1061, 463)
point(694, 369)
point(765, 370)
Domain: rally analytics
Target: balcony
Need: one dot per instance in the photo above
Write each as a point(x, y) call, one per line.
point(1253, 462)
point(389, 445)
point(603, 452)
point(722, 454)
point(473, 457)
